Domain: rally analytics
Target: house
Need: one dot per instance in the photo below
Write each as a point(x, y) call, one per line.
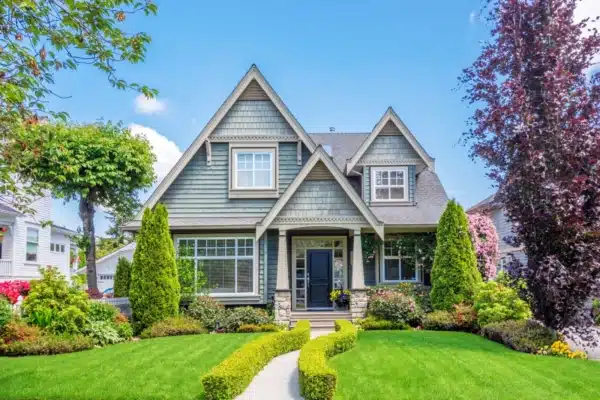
point(270, 212)
point(28, 243)
point(106, 267)
point(492, 207)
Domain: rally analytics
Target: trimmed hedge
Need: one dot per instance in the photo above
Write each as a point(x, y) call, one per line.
point(175, 326)
point(527, 336)
point(229, 379)
point(46, 345)
point(374, 324)
point(317, 379)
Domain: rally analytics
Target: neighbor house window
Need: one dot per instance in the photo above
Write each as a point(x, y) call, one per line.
point(389, 184)
point(225, 262)
point(399, 262)
point(253, 169)
point(31, 252)
point(57, 248)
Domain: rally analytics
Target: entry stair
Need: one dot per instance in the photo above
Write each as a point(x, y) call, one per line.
point(320, 319)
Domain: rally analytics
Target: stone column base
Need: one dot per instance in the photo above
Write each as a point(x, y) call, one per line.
point(283, 306)
point(358, 304)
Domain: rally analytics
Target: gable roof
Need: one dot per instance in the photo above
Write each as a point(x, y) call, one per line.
point(252, 77)
point(390, 116)
point(488, 203)
point(319, 155)
point(6, 209)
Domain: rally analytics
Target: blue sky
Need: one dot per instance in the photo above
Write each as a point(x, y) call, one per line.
point(335, 64)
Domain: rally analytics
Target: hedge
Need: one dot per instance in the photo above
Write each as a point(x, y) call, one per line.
point(229, 379)
point(317, 379)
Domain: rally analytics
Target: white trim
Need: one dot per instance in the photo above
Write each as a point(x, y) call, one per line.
point(319, 155)
point(296, 239)
point(233, 166)
point(390, 115)
point(374, 186)
point(228, 236)
point(252, 74)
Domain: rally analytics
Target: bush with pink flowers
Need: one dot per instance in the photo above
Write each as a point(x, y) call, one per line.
point(13, 289)
point(395, 307)
point(485, 242)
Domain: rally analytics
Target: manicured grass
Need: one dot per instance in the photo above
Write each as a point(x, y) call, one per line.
point(164, 368)
point(449, 365)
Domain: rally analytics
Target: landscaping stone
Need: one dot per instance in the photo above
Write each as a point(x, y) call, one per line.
point(283, 306)
point(358, 304)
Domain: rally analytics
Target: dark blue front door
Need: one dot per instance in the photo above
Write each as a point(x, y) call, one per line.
point(319, 273)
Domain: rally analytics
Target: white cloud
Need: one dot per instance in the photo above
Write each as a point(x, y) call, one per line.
point(589, 9)
point(166, 151)
point(473, 17)
point(144, 105)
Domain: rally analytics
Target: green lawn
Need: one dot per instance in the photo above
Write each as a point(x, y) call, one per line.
point(164, 368)
point(448, 365)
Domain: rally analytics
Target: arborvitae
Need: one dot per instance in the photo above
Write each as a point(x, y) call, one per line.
point(454, 275)
point(122, 278)
point(154, 293)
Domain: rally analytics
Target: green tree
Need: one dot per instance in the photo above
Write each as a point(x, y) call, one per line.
point(99, 165)
point(154, 292)
point(39, 39)
point(454, 275)
point(122, 278)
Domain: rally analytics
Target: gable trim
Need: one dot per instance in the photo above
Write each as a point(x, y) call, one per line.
point(252, 75)
point(390, 115)
point(319, 155)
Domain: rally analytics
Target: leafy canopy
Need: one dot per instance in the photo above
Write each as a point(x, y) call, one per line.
point(537, 127)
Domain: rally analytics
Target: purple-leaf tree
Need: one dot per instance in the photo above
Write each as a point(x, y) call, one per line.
point(485, 241)
point(537, 128)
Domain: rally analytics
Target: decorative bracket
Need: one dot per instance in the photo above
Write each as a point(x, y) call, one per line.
point(299, 152)
point(208, 153)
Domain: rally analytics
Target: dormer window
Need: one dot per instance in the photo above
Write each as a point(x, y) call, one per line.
point(253, 172)
point(389, 184)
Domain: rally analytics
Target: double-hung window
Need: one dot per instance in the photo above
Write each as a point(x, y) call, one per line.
point(253, 169)
point(389, 184)
point(31, 251)
point(226, 263)
point(399, 263)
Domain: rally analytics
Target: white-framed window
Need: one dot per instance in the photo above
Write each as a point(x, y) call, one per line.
point(399, 263)
point(32, 247)
point(389, 184)
point(253, 169)
point(57, 248)
point(226, 262)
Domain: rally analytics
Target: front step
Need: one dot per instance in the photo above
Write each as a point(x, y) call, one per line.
point(320, 319)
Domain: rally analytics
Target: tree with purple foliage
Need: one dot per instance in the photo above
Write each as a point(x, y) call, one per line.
point(485, 242)
point(537, 128)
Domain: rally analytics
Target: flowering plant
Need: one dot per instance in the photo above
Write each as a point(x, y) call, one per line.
point(340, 296)
point(13, 289)
point(562, 349)
point(485, 242)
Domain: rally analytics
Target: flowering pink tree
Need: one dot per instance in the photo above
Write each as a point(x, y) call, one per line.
point(485, 241)
point(13, 289)
point(536, 126)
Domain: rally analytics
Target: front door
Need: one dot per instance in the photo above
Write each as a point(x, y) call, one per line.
point(319, 275)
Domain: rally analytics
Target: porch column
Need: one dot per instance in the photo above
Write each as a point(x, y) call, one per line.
point(358, 299)
point(283, 294)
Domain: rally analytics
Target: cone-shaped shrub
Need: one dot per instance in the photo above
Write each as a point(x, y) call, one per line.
point(122, 278)
point(154, 291)
point(454, 275)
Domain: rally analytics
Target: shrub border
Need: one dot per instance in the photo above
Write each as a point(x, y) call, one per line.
point(317, 379)
point(231, 377)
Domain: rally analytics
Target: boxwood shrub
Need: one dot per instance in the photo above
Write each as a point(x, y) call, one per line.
point(527, 336)
point(175, 326)
point(47, 344)
point(375, 324)
point(229, 379)
point(317, 379)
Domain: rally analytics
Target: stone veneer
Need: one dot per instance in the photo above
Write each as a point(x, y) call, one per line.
point(283, 306)
point(358, 303)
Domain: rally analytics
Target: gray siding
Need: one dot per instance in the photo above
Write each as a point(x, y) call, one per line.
point(320, 199)
point(412, 173)
point(253, 118)
point(390, 146)
point(504, 230)
point(202, 190)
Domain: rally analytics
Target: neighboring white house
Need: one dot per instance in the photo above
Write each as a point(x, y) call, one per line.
point(490, 206)
point(26, 243)
point(106, 267)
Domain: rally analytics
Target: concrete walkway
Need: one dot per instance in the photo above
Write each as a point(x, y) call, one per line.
point(279, 379)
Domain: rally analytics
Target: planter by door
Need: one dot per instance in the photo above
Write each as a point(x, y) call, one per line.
point(320, 282)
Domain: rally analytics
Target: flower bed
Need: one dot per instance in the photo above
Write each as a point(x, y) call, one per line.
point(317, 379)
point(234, 374)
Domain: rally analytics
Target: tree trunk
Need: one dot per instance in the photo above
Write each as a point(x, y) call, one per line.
point(86, 213)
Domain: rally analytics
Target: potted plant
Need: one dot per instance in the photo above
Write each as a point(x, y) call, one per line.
point(341, 297)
